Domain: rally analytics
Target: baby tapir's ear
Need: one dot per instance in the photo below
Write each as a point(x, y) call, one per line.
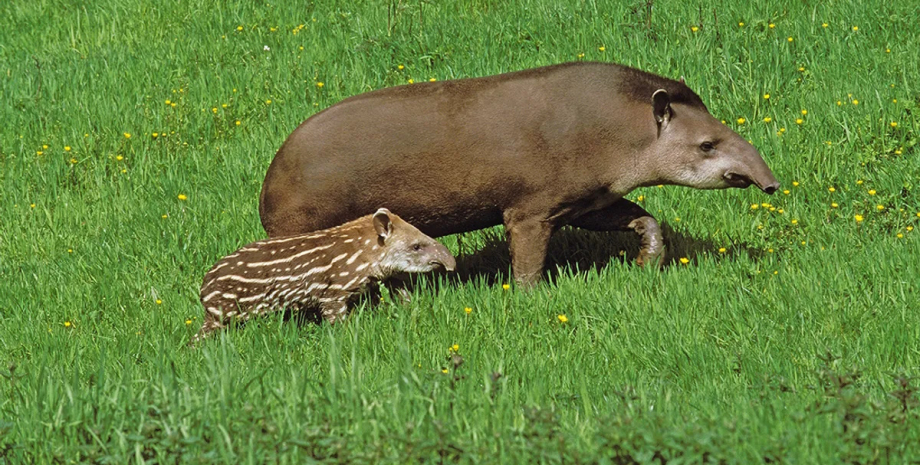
point(382, 224)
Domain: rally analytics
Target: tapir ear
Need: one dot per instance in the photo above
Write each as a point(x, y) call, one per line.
point(382, 223)
point(661, 108)
point(682, 80)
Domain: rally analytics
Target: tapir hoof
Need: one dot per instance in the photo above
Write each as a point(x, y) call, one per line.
point(651, 251)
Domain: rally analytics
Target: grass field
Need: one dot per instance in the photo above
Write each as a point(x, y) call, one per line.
point(135, 137)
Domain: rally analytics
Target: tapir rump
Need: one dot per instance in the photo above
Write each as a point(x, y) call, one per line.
point(533, 150)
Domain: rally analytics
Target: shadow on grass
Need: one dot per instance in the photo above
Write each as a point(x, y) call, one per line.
point(581, 250)
point(570, 249)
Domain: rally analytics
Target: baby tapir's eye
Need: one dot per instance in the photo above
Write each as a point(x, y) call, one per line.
point(416, 247)
point(707, 146)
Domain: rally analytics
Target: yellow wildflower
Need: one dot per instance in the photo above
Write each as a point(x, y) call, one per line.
point(834, 205)
point(188, 322)
point(694, 28)
point(182, 197)
point(741, 120)
point(67, 324)
point(794, 221)
point(786, 191)
point(468, 310)
point(855, 102)
point(766, 96)
point(602, 48)
point(319, 84)
point(795, 183)
point(799, 121)
point(684, 260)
point(894, 124)
point(562, 318)
point(66, 148)
point(754, 206)
point(831, 189)
point(767, 119)
point(871, 191)
point(432, 80)
point(506, 286)
point(772, 25)
point(855, 28)
point(159, 301)
point(455, 347)
point(789, 39)
point(721, 249)
point(858, 218)
point(879, 207)
point(127, 135)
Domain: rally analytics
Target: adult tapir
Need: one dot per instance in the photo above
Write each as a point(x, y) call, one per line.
point(533, 150)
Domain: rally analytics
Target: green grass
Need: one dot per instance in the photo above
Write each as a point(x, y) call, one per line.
point(799, 344)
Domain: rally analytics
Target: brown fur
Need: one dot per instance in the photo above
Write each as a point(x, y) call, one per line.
point(325, 269)
point(533, 150)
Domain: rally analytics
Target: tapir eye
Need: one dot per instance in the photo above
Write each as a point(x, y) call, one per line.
point(707, 146)
point(416, 247)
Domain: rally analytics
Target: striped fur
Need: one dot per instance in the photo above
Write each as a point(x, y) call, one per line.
point(323, 270)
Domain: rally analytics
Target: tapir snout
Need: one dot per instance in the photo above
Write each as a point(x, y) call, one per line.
point(753, 171)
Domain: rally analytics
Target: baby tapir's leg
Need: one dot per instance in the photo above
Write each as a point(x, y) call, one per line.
point(334, 309)
point(624, 215)
point(211, 323)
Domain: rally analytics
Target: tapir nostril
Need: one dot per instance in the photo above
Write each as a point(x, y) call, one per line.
point(771, 188)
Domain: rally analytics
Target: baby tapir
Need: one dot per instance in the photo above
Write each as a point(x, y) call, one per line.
point(534, 150)
point(325, 270)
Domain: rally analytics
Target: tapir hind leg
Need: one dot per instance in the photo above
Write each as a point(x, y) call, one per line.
point(624, 215)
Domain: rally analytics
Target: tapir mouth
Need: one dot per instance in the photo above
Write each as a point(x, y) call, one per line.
point(435, 264)
point(737, 180)
point(741, 181)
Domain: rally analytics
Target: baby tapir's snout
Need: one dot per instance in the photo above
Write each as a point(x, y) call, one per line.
point(324, 269)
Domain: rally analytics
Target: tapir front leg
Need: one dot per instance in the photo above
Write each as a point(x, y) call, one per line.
point(528, 240)
point(624, 215)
